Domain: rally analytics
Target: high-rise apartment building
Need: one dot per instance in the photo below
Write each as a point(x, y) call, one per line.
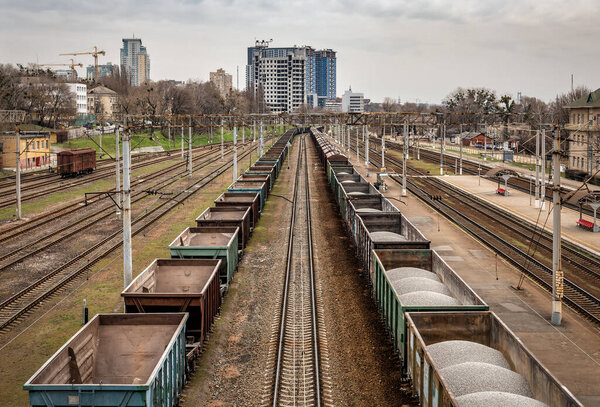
point(290, 77)
point(135, 61)
point(222, 81)
point(103, 70)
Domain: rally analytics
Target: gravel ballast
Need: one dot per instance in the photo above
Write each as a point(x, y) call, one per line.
point(497, 399)
point(450, 353)
point(412, 284)
point(473, 377)
point(408, 272)
point(387, 237)
point(426, 298)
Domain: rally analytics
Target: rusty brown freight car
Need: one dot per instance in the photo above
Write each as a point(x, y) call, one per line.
point(74, 162)
point(251, 199)
point(178, 285)
point(228, 216)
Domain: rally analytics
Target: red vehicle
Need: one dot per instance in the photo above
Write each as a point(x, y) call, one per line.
point(74, 162)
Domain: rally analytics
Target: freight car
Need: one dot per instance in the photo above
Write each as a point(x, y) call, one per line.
point(240, 200)
point(75, 162)
point(116, 360)
point(228, 216)
point(473, 359)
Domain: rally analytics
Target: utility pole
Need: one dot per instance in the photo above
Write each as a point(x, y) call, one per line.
point(190, 147)
point(127, 263)
point(18, 172)
point(537, 169)
point(543, 159)
point(222, 153)
point(461, 148)
point(357, 156)
point(557, 273)
point(254, 131)
point(169, 127)
point(443, 131)
point(243, 135)
point(118, 170)
point(182, 155)
point(260, 147)
point(404, 157)
point(485, 136)
point(383, 149)
point(235, 154)
point(348, 127)
point(366, 130)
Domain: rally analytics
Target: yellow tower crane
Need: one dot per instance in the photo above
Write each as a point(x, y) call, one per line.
point(95, 53)
point(72, 65)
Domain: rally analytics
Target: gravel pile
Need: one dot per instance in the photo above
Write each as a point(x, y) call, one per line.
point(449, 353)
point(356, 193)
point(412, 284)
point(407, 272)
point(348, 182)
point(363, 210)
point(387, 237)
point(426, 298)
point(474, 377)
point(497, 399)
point(343, 173)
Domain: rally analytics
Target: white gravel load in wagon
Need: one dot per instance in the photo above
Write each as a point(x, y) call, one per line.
point(450, 353)
point(412, 284)
point(356, 193)
point(383, 237)
point(407, 272)
point(497, 399)
point(367, 210)
point(426, 298)
point(348, 181)
point(474, 377)
point(343, 173)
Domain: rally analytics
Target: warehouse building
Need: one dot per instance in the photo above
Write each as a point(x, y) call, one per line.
point(34, 149)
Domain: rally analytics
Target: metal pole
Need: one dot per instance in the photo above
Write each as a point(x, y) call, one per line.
point(537, 169)
point(485, 136)
point(18, 172)
point(127, 263)
point(366, 130)
point(404, 157)
point(383, 150)
point(557, 273)
point(442, 149)
point(182, 155)
point(260, 147)
point(253, 131)
point(222, 153)
point(348, 127)
point(190, 147)
point(169, 127)
point(243, 134)
point(118, 169)
point(101, 151)
point(543, 159)
point(357, 157)
point(461, 149)
point(235, 154)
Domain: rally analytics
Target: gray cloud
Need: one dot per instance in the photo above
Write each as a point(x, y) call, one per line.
point(400, 48)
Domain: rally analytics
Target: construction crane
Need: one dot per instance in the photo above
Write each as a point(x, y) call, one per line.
point(72, 65)
point(95, 53)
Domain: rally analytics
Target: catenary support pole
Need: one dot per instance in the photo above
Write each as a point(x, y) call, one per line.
point(383, 149)
point(366, 133)
point(485, 137)
point(243, 134)
point(537, 170)
point(235, 176)
point(543, 160)
point(404, 156)
point(127, 262)
point(118, 169)
point(18, 172)
point(190, 147)
point(260, 147)
point(557, 273)
point(443, 131)
point(460, 146)
point(357, 153)
point(254, 131)
point(169, 128)
point(222, 153)
point(182, 153)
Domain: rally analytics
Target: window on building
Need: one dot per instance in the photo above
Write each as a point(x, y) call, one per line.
point(47, 144)
point(38, 145)
point(583, 163)
point(578, 160)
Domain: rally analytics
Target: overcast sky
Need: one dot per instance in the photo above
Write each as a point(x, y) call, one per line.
point(408, 49)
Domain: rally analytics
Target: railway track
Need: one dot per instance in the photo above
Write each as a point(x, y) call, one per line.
point(506, 236)
point(296, 375)
point(21, 228)
point(13, 309)
point(99, 214)
point(56, 184)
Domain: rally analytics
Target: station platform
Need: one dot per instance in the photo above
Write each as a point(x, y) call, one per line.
point(518, 203)
point(570, 351)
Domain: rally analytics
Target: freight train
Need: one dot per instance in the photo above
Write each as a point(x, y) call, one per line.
point(453, 350)
point(144, 356)
point(71, 163)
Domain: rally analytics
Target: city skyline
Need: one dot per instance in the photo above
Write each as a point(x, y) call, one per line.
point(386, 49)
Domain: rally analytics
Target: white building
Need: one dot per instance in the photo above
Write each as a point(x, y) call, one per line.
point(80, 91)
point(353, 102)
point(333, 105)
